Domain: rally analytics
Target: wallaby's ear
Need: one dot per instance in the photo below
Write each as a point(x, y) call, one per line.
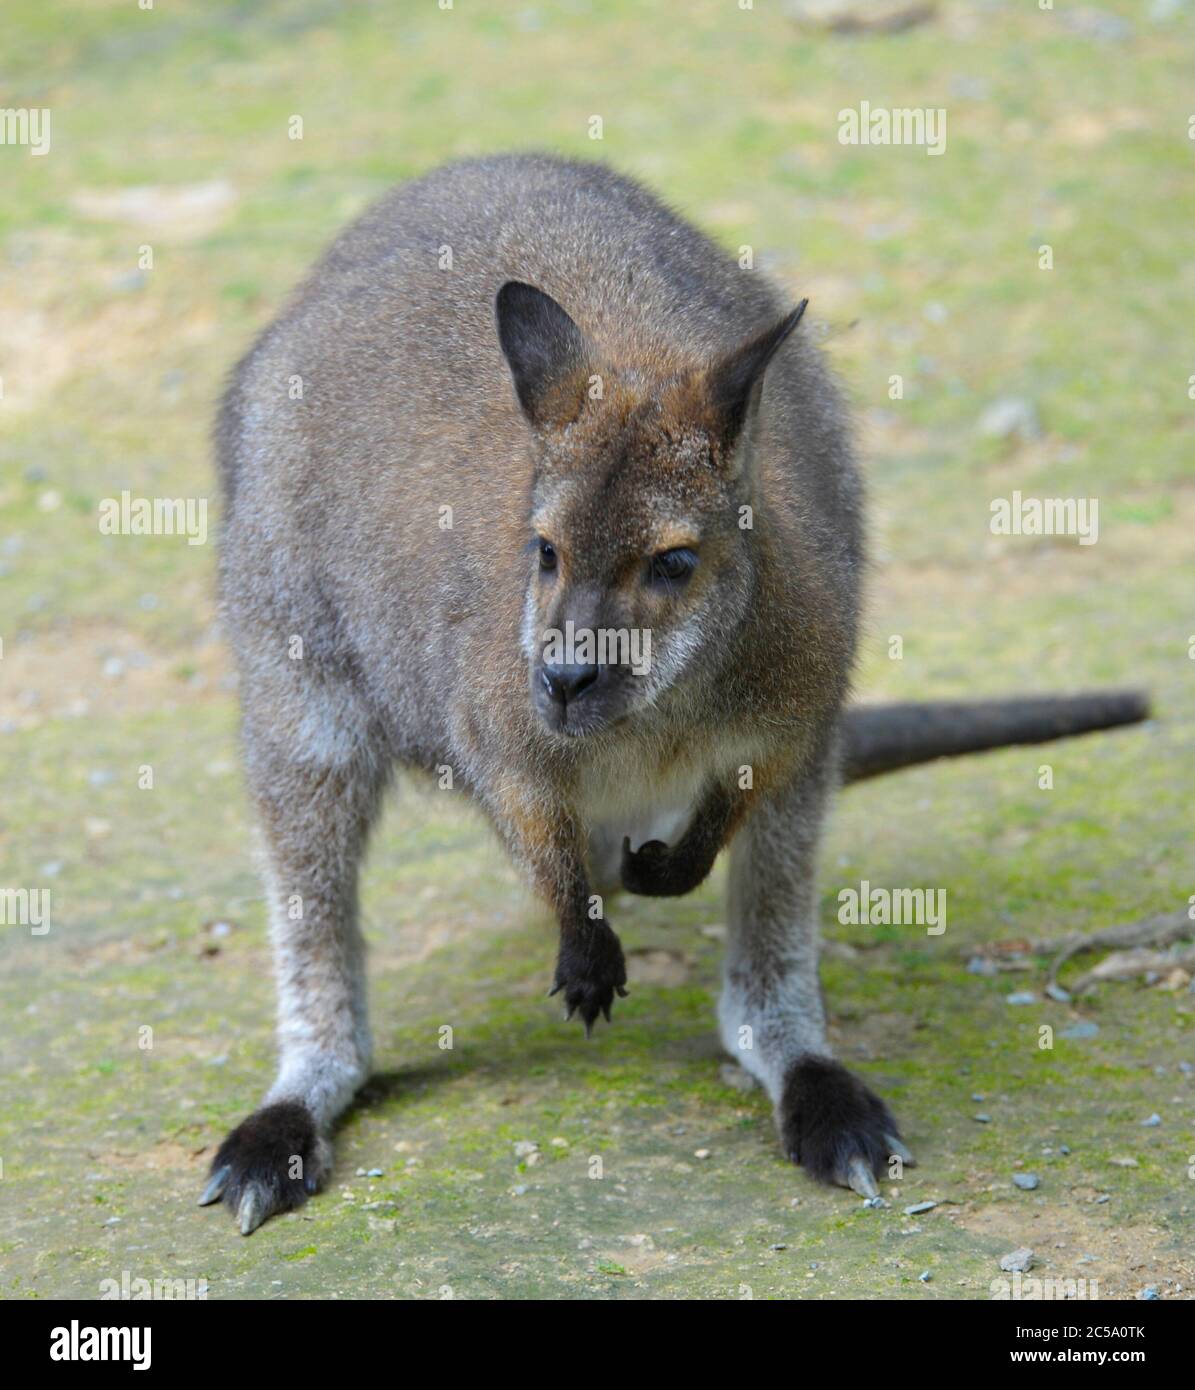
point(546, 352)
point(734, 382)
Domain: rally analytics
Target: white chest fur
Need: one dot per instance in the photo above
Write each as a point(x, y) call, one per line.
point(634, 794)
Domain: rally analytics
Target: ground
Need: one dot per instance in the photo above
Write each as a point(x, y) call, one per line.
point(654, 1173)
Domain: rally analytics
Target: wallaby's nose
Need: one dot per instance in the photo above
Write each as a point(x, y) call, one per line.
point(566, 682)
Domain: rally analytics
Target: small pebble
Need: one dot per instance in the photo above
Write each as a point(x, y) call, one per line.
point(1102, 1198)
point(734, 1075)
point(982, 1119)
point(1064, 1149)
point(1018, 1261)
point(1022, 996)
point(1078, 1031)
point(918, 1207)
point(1010, 417)
point(127, 280)
point(977, 1097)
point(701, 1153)
point(523, 1147)
point(1153, 1122)
point(876, 1203)
point(1149, 1293)
point(1058, 994)
point(924, 1276)
point(1027, 1182)
point(375, 1173)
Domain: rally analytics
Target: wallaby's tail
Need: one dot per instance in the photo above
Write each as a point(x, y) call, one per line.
point(882, 738)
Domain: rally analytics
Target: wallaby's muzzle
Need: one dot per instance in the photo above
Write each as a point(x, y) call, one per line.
point(578, 698)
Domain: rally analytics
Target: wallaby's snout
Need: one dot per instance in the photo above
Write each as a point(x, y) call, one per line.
point(566, 682)
point(561, 686)
point(583, 678)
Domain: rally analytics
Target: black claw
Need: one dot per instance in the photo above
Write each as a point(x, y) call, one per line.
point(591, 971)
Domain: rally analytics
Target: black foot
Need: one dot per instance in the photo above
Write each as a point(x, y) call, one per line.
point(656, 870)
point(271, 1162)
point(590, 970)
point(835, 1128)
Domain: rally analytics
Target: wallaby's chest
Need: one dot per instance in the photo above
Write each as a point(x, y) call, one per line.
point(645, 792)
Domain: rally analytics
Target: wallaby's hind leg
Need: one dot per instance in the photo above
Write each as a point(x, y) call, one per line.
point(771, 1012)
point(315, 819)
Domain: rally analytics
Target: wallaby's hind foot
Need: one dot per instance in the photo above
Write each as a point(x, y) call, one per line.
point(271, 1162)
point(836, 1128)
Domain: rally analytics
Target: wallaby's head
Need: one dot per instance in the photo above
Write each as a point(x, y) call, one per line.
point(640, 555)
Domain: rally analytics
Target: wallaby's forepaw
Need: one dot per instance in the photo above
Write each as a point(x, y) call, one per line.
point(836, 1128)
point(656, 870)
point(271, 1162)
point(590, 970)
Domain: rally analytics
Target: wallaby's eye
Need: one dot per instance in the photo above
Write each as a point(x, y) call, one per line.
point(547, 555)
point(672, 566)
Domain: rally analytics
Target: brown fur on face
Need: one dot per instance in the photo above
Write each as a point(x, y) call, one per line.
point(634, 467)
point(642, 471)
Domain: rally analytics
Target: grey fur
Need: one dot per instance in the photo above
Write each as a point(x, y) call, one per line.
point(380, 397)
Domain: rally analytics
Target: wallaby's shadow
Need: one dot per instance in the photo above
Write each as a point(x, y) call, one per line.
point(513, 1059)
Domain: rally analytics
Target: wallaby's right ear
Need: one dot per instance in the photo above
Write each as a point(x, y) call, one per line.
point(546, 352)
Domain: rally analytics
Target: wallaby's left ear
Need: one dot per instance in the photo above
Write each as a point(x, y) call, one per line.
point(546, 352)
point(733, 384)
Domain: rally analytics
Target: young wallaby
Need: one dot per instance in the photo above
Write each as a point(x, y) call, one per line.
point(521, 402)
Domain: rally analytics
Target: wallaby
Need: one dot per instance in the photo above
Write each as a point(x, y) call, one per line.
point(520, 398)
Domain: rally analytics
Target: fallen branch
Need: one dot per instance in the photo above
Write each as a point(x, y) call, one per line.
point(1126, 965)
point(1153, 931)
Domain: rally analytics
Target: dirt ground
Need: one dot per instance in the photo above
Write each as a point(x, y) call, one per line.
point(524, 1161)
